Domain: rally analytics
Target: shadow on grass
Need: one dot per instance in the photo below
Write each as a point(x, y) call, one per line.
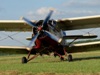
point(86, 58)
point(74, 59)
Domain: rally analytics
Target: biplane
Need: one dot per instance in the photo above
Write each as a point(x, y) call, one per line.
point(49, 36)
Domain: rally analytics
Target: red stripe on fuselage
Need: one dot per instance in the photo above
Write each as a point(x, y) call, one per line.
point(38, 44)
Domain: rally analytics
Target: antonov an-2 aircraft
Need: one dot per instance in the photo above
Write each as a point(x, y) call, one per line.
point(49, 36)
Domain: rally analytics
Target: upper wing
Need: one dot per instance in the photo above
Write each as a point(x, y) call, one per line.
point(79, 23)
point(14, 25)
point(64, 24)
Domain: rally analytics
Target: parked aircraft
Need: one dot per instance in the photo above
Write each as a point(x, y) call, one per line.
point(49, 35)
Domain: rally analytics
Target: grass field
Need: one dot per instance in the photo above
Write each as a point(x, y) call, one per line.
point(87, 63)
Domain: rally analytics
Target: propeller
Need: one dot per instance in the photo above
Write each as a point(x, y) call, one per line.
point(41, 28)
point(29, 22)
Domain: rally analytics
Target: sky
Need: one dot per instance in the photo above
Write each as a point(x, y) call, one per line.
point(38, 9)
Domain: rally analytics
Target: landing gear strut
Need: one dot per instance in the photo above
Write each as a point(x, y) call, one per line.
point(57, 54)
point(69, 56)
point(25, 60)
point(62, 58)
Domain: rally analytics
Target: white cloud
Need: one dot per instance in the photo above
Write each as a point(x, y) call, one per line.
point(58, 14)
point(40, 13)
point(45, 10)
point(71, 8)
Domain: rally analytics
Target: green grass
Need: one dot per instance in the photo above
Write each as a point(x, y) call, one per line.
point(84, 63)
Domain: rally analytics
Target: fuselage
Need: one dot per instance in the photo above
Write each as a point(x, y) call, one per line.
point(45, 42)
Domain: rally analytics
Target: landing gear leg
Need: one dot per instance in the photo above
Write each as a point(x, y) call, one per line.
point(61, 57)
point(33, 57)
point(24, 59)
point(69, 56)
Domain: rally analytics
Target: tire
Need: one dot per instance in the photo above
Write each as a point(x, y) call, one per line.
point(24, 60)
point(55, 55)
point(70, 58)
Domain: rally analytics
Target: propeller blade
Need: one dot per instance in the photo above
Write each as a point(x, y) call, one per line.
point(52, 36)
point(32, 41)
point(29, 22)
point(47, 18)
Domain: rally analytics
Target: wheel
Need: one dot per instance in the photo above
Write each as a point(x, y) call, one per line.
point(70, 58)
point(24, 60)
point(55, 55)
point(62, 58)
